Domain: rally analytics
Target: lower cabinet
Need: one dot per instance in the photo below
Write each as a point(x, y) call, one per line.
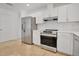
point(36, 37)
point(65, 43)
point(76, 46)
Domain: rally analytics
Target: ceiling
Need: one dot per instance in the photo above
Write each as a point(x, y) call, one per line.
point(24, 7)
point(31, 8)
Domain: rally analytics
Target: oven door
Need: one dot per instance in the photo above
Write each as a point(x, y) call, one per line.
point(49, 43)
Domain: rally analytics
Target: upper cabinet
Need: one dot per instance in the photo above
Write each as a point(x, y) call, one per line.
point(62, 14)
point(45, 13)
point(68, 13)
point(39, 16)
point(65, 13)
point(55, 11)
point(50, 13)
point(73, 12)
point(51, 10)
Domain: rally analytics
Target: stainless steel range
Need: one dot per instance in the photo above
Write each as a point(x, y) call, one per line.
point(49, 39)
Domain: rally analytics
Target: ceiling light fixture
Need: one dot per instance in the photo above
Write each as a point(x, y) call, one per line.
point(27, 4)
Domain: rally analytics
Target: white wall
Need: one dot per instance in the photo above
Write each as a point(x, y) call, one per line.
point(10, 25)
point(47, 25)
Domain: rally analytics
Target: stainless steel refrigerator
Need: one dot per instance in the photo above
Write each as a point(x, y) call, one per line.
point(28, 25)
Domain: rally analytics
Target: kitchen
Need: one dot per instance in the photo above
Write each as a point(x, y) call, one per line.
point(57, 23)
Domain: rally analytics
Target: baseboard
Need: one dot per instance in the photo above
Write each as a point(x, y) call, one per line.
point(6, 40)
point(27, 43)
point(12, 41)
point(36, 45)
point(64, 53)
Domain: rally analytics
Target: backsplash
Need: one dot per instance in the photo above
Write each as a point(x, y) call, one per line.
point(61, 26)
point(48, 25)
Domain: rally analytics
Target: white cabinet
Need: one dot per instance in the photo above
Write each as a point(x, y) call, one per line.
point(36, 37)
point(45, 13)
point(73, 12)
point(62, 13)
point(76, 46)
point(39, 16)
point(68, 13)
point(65, 13)
point(55, 11)
point(65, 43)
point(51, 11)
point(50, 8)
point(39, 19)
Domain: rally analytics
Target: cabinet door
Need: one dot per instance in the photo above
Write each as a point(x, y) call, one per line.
point(39, 19)
point(76, 46)
point(62, 14)
point(36, 37)
point(65, 43)
point(39, 16)
point(50, 8)
point(44, 14)
point(55, 11)
point(73, 12)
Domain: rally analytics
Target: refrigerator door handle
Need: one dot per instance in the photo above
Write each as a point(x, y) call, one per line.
point(23, 28)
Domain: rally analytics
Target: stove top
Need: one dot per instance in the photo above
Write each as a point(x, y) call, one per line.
point(50, 31)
